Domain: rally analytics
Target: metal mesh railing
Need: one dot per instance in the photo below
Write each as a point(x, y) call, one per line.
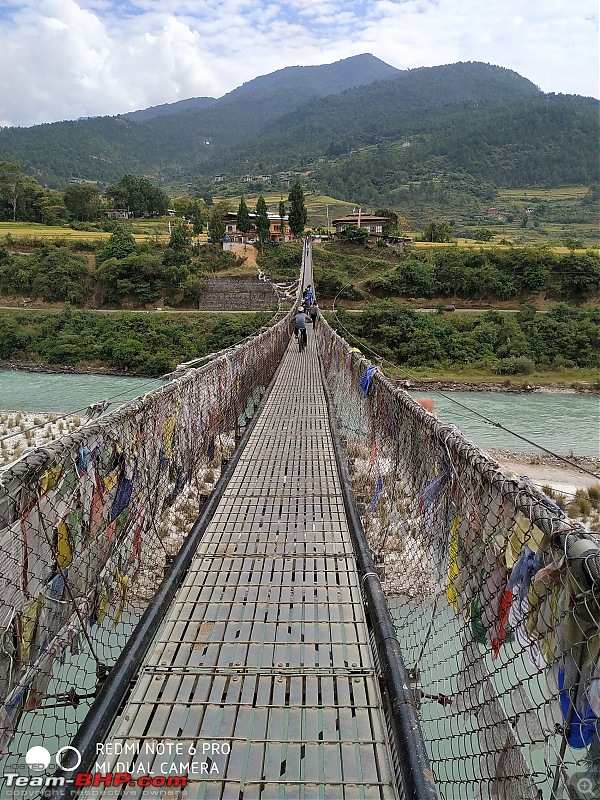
point(494, 592)
point(88, 526)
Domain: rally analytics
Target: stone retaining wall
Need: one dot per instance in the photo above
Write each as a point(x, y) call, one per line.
point(237, 294)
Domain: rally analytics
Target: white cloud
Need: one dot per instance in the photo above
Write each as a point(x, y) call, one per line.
point(62, 59)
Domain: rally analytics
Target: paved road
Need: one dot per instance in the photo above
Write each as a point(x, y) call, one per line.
point(134, 310)
point(255, 311)
point(457, 310)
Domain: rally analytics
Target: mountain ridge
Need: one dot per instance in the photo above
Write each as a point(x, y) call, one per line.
point(484, 120)
point(320, 77)
point(168, 108)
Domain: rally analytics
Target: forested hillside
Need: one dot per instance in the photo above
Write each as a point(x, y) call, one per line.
point(168, 145)
point(384, 111)
point(313, 82)
point(505, 344)
point(169, 108)
point(544, 141)
point(485, 121)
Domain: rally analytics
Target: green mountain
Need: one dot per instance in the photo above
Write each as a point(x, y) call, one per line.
point(357, 129)
point(382, 111)
point(542, 141)
point(313, 82)
point(169, 108)
point(174, 142)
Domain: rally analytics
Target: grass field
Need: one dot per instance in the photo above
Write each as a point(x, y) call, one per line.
point(560, 193)
point(495, 243)
point(548, 233)
point(32, 230)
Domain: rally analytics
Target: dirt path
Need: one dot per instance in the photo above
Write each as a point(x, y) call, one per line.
point(247, 251)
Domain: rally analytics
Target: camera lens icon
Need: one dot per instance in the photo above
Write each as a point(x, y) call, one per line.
point(587, 788)
point(38, 758)
point(67, 758)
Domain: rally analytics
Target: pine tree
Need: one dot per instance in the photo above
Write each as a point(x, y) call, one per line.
point(282, 218)
point(178, 249)
point(216, 226)
point(298, 214)
point(243, 223)
point(262, 220)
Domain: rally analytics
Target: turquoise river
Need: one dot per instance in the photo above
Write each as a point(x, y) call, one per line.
point(561, 422)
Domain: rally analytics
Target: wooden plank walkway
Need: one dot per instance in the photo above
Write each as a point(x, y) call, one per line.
point(263, 664)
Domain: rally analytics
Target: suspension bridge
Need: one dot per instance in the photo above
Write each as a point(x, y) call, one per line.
point(279, 577)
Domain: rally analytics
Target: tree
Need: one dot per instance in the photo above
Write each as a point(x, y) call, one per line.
point(138, 195)
point(356, 235)
point(391, 226)
point(580, 276)
point(262, 220)
point(437, 232)
point(51, 209)
point(194, 287)
point(216, 226)
point(243, 223)
point(204, 191)
point(192, 209)
point(12, 185)
point(572, 243)
point(416, 278)
point(137, 276)
point(197, 216)
point(178, 249)
point(82, 201)
point(127, 352)
point(483, 234)
point(282, 219)
point(532, 266)
point(58, 274)
point(298, 215)
point(120, 244)
point(526, 314)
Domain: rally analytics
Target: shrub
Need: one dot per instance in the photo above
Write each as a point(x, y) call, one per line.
point(579, 507)
point(594, 495)
point(516, 365)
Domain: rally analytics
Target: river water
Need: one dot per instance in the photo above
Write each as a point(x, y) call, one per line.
point(559, 422)
point(21, 390)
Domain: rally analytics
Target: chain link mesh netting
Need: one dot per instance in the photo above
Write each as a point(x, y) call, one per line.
point(88, 526)
point(494, 593)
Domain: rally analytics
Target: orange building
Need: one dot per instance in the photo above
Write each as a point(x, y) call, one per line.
point(276, 234)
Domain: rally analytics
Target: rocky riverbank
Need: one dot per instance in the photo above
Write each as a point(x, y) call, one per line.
point(53, 369)
point(21, 431)
point(581, 387)
point(546, 470)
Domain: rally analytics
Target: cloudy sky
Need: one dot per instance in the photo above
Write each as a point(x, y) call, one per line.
point(64, 59)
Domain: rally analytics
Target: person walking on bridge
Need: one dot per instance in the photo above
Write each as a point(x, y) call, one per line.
point(300, 321)
point(313, 313)
point(308, 296)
